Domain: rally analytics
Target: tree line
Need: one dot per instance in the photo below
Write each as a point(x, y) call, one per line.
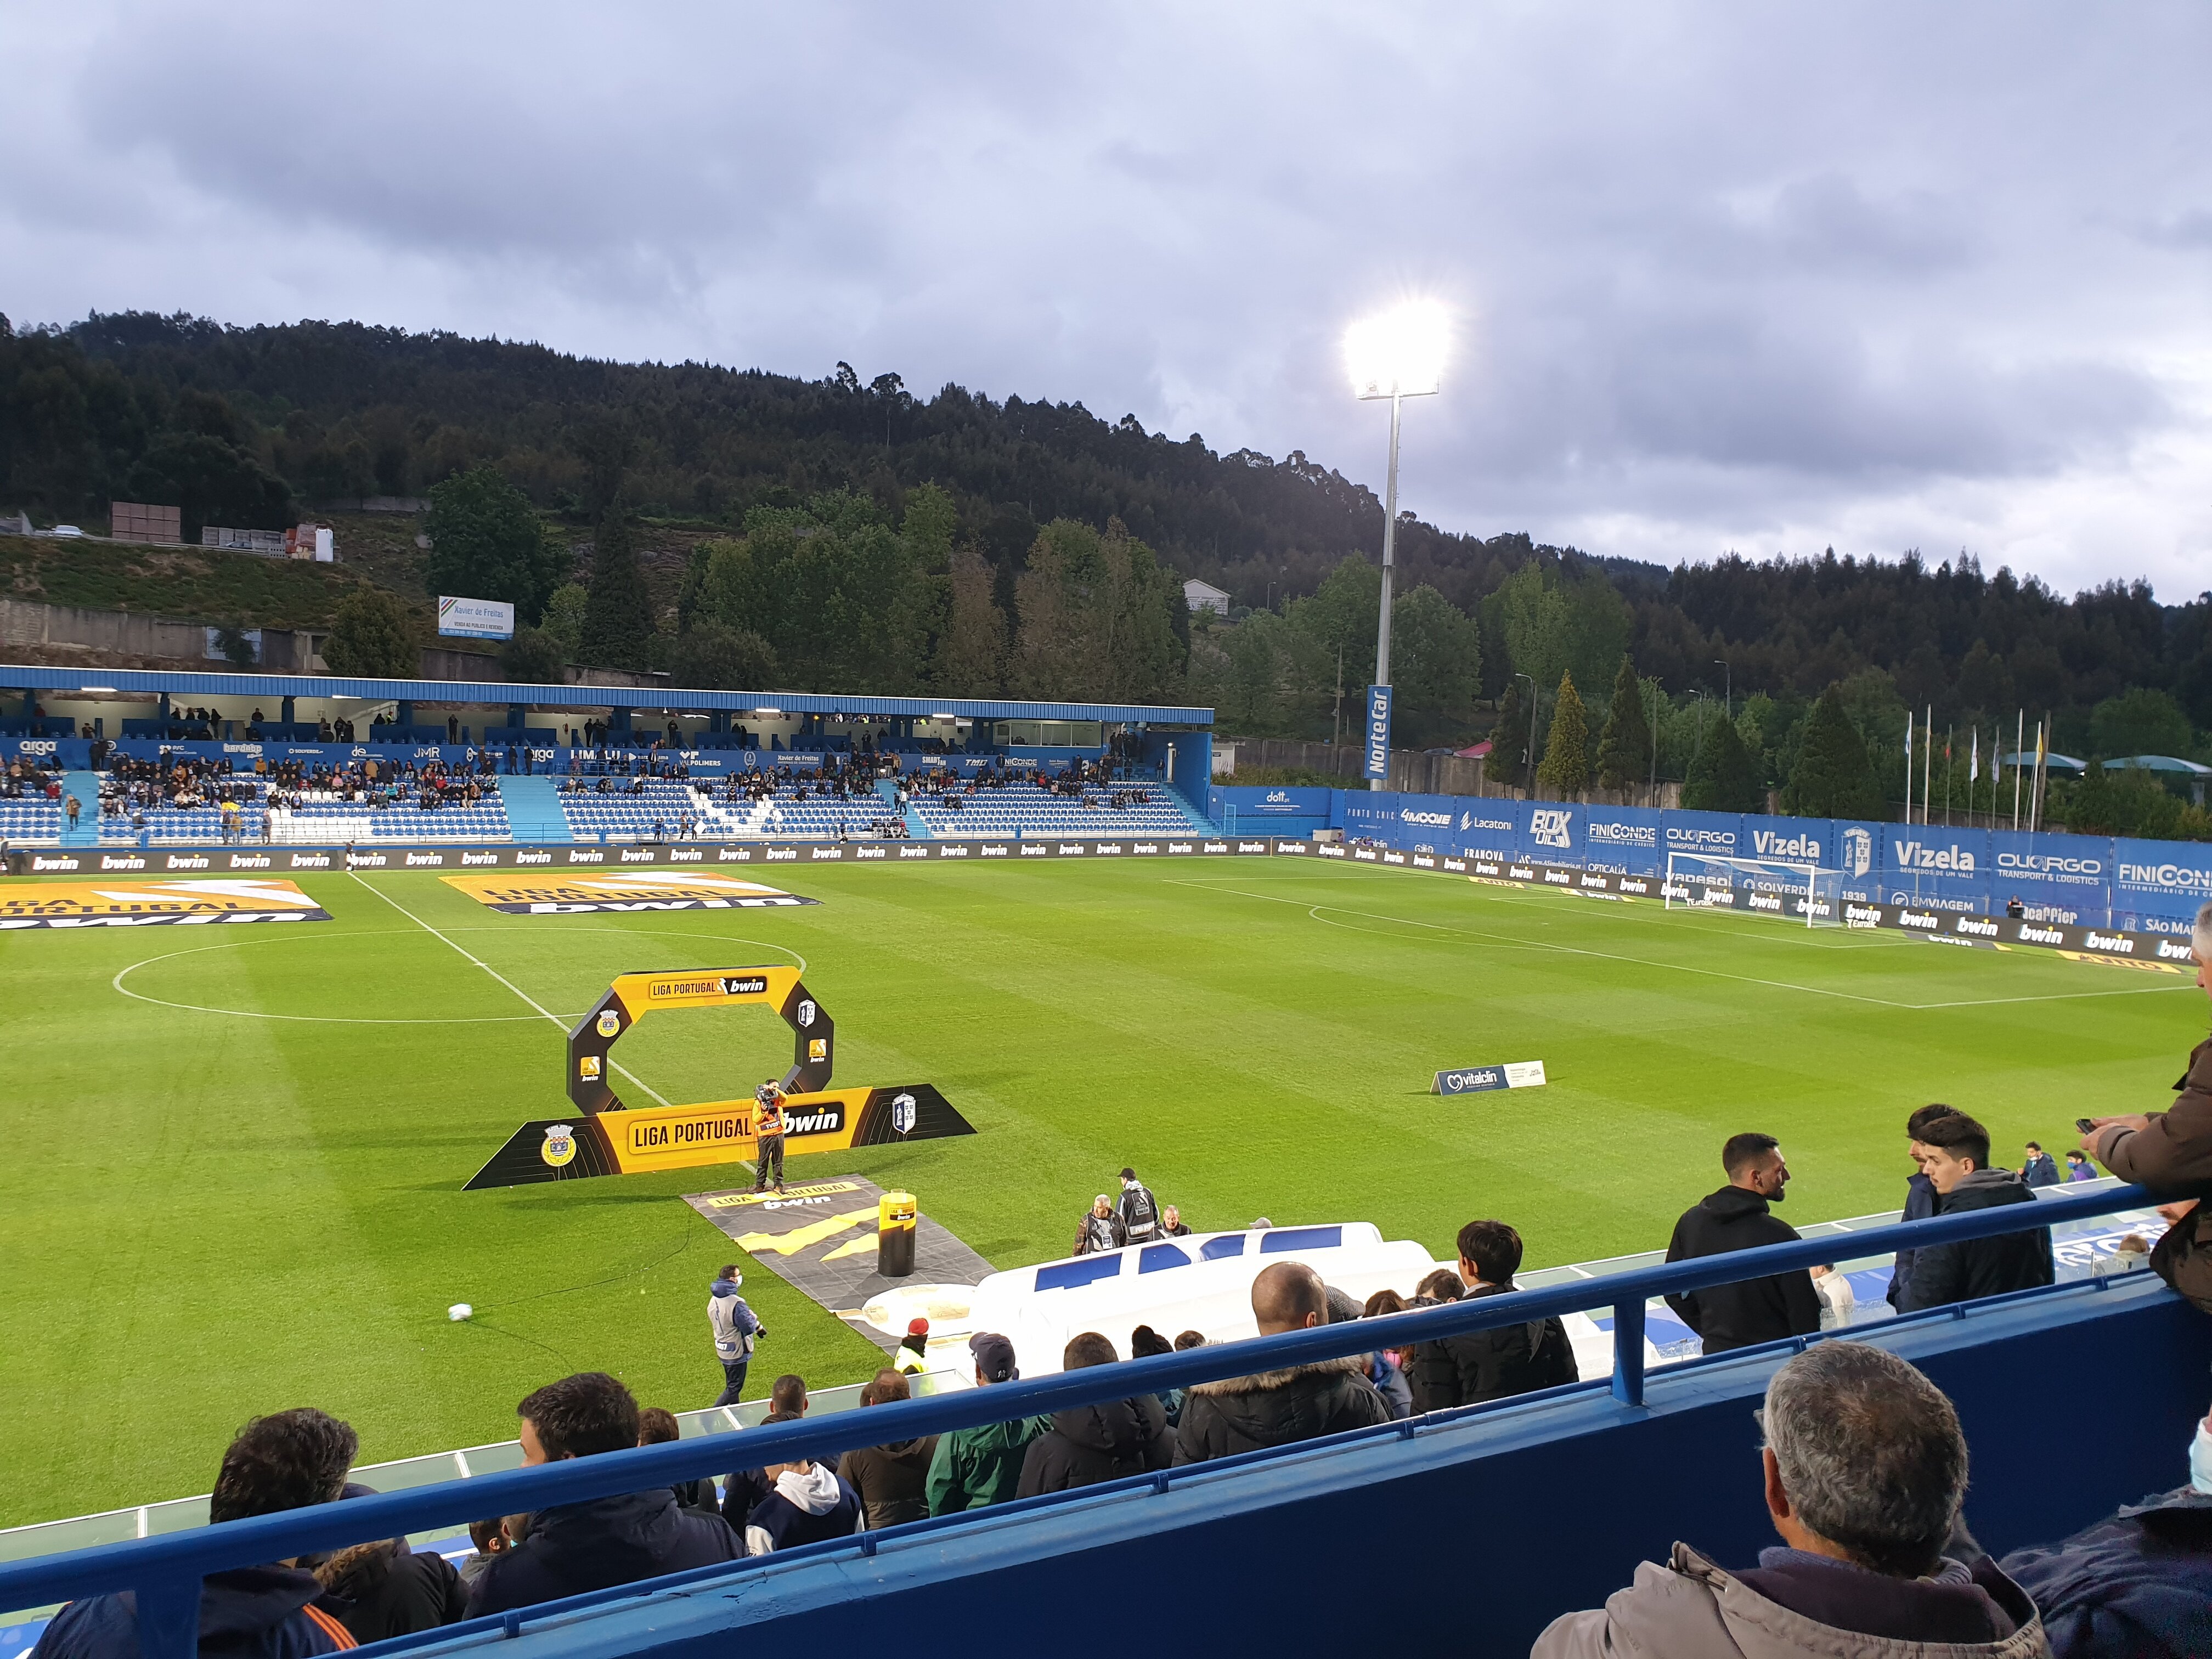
point(818, 481)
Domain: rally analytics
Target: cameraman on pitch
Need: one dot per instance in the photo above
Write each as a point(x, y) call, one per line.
point(768, 1135)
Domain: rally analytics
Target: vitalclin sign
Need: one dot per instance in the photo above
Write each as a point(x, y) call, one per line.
point(1378, 732)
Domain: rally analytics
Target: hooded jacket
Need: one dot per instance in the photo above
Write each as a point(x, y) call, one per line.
point(974, 1467)
point(1465, 1371)
point(2139, 1583)
point(891, 1482)
point(1087, 1444)
point(390, 1589)
point(733, 1320)
point(1276, 1408)
point(1752, 1310)
point(596, 1544)
point(1795, 1605)
point(807, 1506)
point(1944, 1274)
point(251, 1612)
point(2173, 1154)
point(1920, 1200)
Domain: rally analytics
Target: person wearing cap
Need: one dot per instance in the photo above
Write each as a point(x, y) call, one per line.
point(768, 1135)
point(913, 1349)
point(1137, 1214)
point(974, 1467)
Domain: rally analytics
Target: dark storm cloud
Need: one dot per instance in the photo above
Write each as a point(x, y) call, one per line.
point(1766, 279)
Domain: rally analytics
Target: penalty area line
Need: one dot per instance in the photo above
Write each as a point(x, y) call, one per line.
point(547, 1012)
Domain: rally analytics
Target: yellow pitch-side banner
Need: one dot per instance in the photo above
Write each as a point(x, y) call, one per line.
point(133, 903)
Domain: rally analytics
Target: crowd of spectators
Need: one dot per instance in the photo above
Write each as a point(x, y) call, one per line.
point(32, 777)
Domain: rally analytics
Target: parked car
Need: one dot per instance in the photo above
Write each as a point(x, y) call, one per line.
point(65, 530)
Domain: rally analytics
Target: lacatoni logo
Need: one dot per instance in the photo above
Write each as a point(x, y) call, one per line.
point(1548, 826)
point(1469, 821)
point(1926, 855)
point(1438, 820)
point(1767, 844)
point(1858, 851)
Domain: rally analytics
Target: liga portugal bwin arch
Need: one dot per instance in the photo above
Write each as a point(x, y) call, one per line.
point(604, 1136)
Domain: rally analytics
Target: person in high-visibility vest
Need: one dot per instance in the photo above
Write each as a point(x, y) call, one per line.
point(768, 1135)
point(912, 1356)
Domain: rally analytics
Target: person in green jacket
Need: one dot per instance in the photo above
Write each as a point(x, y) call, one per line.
point(980, 1465)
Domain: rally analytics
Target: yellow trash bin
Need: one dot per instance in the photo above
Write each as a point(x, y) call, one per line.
point(894, 1228)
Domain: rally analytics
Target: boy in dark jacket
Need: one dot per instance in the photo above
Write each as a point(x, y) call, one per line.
point(1088, 1444)
point(1919, 1191)
point(892, 1481)
point(1957, 1163)
point(1736, 1218)
point(390, 1587)
point(603, 1541)
point(286, 1461)
point(1276, 1409)
point(1463, 1370)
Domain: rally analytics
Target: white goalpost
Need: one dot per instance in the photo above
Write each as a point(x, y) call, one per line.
point(1797, 893)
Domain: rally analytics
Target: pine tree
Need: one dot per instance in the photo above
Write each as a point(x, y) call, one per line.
point(618, 615)
point(2095, 808)
point(1624, 748)
point(1833, 777)
point(1508, 739)
point(1723, 778)
point(1565, 770)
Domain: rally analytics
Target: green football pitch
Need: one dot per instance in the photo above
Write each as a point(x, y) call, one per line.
point(236, 1153)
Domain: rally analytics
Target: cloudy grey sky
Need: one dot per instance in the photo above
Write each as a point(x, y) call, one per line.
point(1755, 276)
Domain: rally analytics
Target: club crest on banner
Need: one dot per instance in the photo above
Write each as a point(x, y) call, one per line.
point(902, 1113)
point(560, 1146)
point(610, 1022)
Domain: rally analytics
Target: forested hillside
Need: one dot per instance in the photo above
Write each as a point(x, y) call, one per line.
point(845, 532)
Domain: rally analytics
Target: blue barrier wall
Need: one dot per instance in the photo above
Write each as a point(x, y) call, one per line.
point(2149, 887)
point(1474, 1531)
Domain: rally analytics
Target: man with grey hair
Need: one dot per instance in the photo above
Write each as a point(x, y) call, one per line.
point(1864, 1469)
point(2171, 1150)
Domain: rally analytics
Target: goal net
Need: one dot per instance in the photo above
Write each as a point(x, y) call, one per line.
point(1802, 894)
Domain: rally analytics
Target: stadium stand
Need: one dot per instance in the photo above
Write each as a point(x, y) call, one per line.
point(1535, 1478)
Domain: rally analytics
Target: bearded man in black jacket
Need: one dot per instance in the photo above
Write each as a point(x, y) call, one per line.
point(1736, 1218)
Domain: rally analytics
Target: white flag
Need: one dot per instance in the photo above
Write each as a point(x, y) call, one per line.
point(1974, 763)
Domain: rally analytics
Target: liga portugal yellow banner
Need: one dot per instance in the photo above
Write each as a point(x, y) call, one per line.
point(522, 893)
point(132, 903)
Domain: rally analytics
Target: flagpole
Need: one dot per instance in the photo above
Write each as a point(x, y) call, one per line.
point(1908, 766)
point(1949, 731)
point(1927, 764)
point(2019, 742)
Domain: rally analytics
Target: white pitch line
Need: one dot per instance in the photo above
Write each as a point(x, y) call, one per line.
point(1678, 967)
point(611, 1064)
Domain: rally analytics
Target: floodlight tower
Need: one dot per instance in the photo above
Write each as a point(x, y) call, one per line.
point(1397, 355)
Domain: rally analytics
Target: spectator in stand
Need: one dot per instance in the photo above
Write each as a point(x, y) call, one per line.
point(2078, 1167)
point(806, 1502)
point(1442, 1286)
point(890, 1480)
point(1736, 1218)
point(1088, 1444)
point(1958, 1162)
point(1465, 1371)
point(972, 1467)
point(1865, 1467)
point(602, 1541)
point(1387, 1377)
point(1293, 1403)
point(2038, 1169)
point(1099, 1229)
point(737, 1331)
point(286, 1461)
point(1920, 1199)
point(2136, 1585)
point(487, 1539)
point(390, 1587)
point(657, 1427)
point(1145, 1343)
point(1136, 1215)
point(2171, 1150)
point(1171, 1224)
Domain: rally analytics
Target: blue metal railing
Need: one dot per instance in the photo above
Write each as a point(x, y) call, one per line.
point(166, 1572)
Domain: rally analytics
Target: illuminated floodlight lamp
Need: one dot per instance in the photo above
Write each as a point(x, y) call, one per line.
point(767, 714)
point(95, 688)
point(1398, 353)
point(942, 717)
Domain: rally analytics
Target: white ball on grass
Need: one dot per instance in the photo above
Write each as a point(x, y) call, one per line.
point(460, 1311)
